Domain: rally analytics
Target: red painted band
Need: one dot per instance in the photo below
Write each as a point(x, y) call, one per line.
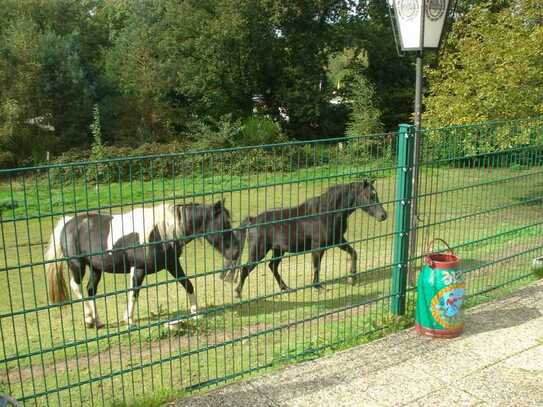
point(442, 261)
point(440, 333)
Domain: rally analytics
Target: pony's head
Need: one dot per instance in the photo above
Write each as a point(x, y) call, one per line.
point(218, 230)
point(366, 197)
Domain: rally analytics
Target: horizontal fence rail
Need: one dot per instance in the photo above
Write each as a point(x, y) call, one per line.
point(209, 217)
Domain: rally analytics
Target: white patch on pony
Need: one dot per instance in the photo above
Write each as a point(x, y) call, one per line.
point(130, 306)
point(76, 288)
point(142, 221)
point(193, 304)
point(92, 306)
point(59, 227)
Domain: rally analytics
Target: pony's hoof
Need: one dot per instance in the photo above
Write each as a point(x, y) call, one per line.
point(351, 280)
point(286, 289)
point(94, 324)
point(321, 288)
point(174, 324)
point(237, 294)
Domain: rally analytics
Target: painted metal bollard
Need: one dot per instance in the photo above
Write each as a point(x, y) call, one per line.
point(440, 295)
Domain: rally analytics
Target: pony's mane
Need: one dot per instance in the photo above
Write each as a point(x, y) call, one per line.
point(199, 214)
point(335, 197)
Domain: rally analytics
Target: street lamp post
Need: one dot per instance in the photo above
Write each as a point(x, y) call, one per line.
point(418, 25)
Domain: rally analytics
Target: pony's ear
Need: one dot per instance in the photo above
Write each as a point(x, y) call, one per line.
point(372, 181)
point(366, 183)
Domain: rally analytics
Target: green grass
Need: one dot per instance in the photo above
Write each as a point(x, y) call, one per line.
point(157, 398)
point(267, 328)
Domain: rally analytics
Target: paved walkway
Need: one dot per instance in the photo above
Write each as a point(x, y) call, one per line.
point(497, 362)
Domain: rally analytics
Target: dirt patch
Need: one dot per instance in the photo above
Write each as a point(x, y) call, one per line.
point(133, 355)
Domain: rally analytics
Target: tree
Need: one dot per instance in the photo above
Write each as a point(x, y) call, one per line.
point(177, 63)
point(365, 117)
point(392, 76)
point(492, 66)
point(305, 35)
point(46, 99)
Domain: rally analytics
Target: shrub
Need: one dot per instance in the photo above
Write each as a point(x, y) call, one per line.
point(365, 118)
point(217, 134)
point(121, 170)
point(7, 160)
point(260, 130)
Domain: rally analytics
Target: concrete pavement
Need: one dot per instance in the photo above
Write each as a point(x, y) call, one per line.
point(498, 361)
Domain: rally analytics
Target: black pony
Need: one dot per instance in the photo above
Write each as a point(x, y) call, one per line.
point(315, 225)
point(139, 242)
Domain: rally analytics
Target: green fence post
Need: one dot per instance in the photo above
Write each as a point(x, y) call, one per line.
point(404, 182)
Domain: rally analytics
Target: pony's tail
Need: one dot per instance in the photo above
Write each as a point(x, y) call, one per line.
point(58, 291)
point(232, 274)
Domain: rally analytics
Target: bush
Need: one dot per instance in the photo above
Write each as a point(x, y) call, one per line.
point(365, 150)
point(365, 118)
point(260, 130)
point(7, 160)
point(485, 144)
point(215, 134)
point(121, 170)
point(230, 133)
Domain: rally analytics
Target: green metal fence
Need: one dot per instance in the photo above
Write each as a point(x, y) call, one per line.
point(480, 188)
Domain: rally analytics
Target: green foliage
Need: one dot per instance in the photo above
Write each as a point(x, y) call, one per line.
point(365, 117)
point(260, 130)
point(222, 133)
point(393, 77)
point(461, 145)
point(97, 152)
point(228, 133)
point(157, 398)
point(341, 66)
point(97, 148)
point(491, 69)
point(46, 97)
point(116, 170)
point(166, 71)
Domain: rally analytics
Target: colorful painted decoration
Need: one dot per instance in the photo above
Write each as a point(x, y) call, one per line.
point(440, 296)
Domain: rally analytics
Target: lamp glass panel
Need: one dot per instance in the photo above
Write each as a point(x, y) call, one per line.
point(408, 15)
point(435, 12)
point(408, 18)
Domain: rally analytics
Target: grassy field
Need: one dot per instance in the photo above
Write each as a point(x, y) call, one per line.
point(493, 217)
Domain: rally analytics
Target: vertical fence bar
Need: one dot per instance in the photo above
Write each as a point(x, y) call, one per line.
point(404, 182)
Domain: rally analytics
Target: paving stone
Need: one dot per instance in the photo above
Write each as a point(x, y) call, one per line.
point(506, 385)
point(447, 397)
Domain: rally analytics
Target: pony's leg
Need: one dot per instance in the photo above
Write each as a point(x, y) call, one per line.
point(177, 272)
point(136, 278)
point(92, 287)
point(317, 257)
point(130, 302)
point(256, 253)
point(243, 275)
point(346, 247)
point(77, 272)
point(274, 266)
